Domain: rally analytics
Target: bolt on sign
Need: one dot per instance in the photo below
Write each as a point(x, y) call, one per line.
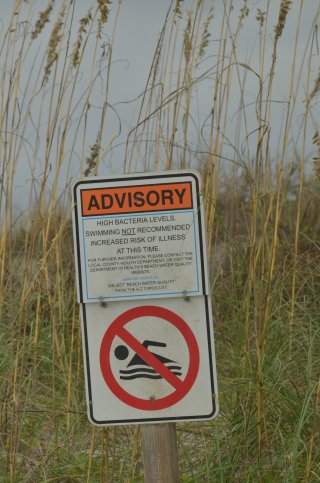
point(139, 236)
point(149, 362)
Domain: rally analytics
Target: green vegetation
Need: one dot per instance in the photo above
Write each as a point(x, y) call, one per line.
point(262, 209)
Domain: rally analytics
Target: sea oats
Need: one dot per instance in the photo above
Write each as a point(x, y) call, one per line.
point(42, 20)
point(75, 56)
point(104, 10)
point(316, 87)
point(205, 35)
point(316, 139)
point(178, 9)
point(316, 159)
point(244, 11)
point(261, 17)
point(103, 6)
point(283, 12)
point(187, 38)
point(93, 158)
point(316, 166)
point(55, 39)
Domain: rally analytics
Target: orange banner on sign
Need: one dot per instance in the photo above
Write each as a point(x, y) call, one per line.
point(131, 199)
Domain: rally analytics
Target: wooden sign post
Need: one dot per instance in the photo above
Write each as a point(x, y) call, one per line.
point(160, 453)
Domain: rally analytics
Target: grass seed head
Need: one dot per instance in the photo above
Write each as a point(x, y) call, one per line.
point(55, 39)
point(284, 9)
point(316, 159)
point(316, 166)
point(244, 11)
point(316, 87)
point(92, 160)
point(205, 35)
point(261, 16)
point(178, 9)
point(316, 139)
point(75, 57)
point(103, 6)
point(187, 44)
point(42, 20)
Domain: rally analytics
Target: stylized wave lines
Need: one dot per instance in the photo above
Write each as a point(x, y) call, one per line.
point(148, 373)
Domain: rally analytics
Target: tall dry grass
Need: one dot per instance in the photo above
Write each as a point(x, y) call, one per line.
point(262, 221)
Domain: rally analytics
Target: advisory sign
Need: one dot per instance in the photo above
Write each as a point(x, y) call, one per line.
point(139, 236)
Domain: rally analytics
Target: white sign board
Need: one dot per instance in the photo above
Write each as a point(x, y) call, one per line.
point(139, 236)
point(149, 362)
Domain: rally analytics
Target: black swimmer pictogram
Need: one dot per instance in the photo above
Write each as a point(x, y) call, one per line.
point(138, 368)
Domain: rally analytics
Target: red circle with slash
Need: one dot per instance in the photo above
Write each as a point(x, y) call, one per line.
point(118, 329)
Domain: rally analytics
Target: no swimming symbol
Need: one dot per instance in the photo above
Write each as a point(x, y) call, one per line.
point(146, 360)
